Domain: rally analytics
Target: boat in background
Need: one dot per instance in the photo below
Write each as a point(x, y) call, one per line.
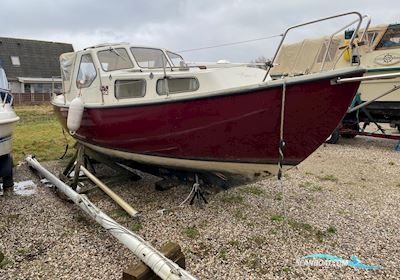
point(144, 105)
point(379, 50)
point(8, 121)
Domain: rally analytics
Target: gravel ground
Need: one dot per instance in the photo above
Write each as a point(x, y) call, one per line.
point(343, 200)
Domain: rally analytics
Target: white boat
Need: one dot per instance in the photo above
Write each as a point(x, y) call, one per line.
point(8, 118)
point(8, 121)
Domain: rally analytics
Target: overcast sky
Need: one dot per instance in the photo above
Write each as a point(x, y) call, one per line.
point(180, 24)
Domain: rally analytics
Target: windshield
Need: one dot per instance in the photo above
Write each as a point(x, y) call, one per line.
point(391, 39)
point(114, 59)
point(176, 59)
point(3, 79)
point(149, 58)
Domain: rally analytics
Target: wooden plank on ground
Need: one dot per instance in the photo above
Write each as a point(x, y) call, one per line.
point(140, 271)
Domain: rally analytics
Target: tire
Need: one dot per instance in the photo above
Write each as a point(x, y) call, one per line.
point(334, 137)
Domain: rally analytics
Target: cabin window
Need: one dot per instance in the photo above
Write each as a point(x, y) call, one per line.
point(177, 85)
point(391, 39)
point(114, 59)
point(130, 88)
point(87, 72)
point(176, 59)
point(333, 48)
point(150, 58)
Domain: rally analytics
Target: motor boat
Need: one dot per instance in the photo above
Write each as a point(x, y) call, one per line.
point(8, 121)
point(379, 49)
point(146, 105)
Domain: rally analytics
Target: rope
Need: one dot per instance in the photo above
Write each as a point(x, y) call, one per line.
point(66, 145)
point(231, 44)
point(281, 139)
point(280, 171)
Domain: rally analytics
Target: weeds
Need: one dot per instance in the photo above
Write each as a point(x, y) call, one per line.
point(252, 190)
point(136, 227)
point(191, 232)
point(277, 218)
point(232, 198)
point(223, 254)
point(331, 178)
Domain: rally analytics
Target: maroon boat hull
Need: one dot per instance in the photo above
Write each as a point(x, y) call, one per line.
point(241, 127)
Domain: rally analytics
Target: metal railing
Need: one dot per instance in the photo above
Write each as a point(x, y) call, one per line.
point(8, 98)
point(358, 21)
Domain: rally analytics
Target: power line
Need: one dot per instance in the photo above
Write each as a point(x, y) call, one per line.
point(231, 44)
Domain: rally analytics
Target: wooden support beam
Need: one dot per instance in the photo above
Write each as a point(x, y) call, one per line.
point(110, 163)
point(140, 271)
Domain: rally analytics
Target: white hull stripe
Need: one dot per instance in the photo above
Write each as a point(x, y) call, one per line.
point(246, 169)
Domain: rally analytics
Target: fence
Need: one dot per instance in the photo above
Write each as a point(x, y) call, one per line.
point(38, 98)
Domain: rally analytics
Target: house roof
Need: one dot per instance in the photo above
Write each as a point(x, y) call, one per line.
point(38, 59)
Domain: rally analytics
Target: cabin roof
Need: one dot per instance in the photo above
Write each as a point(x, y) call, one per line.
point(38, 59)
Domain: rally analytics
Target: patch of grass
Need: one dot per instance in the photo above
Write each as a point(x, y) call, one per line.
point(320, 235)
point(232, 198)
point(277, 218)
point(136, 227)
point(300, 225)
point(253, 262)
point(191, 232)
point(279, 196)
point(310, 186)
point(331, 230)
point(286, 269)
point(234, 243)
point(12, 217)
point(5, 262)
point(223, 254)
point(258, 239)
point(331, 178)
point(39, 133)
point(117, 213)
point(80, 218)
point(252, 190)
point(240, 215)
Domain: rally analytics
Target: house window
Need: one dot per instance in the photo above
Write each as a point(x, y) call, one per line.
point(130, 88)
point(87, 72)
point(177, 85)
point(15, 61)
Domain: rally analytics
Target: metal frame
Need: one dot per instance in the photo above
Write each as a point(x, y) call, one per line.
point(359, 20)
point(8, 93)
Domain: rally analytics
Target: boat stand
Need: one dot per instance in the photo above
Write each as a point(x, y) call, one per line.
point(197, 193)
point(77, 170)
point(85, 157)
